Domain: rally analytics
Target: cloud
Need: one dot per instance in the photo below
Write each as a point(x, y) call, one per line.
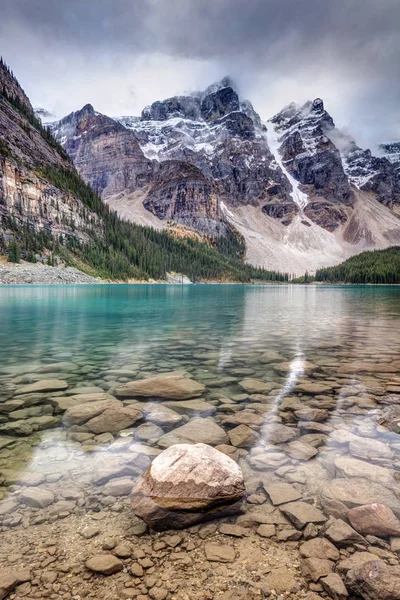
point(120, 55)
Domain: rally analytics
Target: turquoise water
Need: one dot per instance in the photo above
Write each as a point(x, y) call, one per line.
point(106, 325)
point(298, 381)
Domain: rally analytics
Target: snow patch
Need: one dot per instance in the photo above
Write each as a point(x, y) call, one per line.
point(299, 197)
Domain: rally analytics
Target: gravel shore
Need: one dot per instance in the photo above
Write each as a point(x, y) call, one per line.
point(11, 273)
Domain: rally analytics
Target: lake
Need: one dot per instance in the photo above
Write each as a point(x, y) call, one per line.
point(311, 374)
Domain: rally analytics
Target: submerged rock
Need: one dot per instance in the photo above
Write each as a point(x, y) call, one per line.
point(197, 431)
point(374, 519)
point(170, 387)
point(187, 484)
point(375, 580)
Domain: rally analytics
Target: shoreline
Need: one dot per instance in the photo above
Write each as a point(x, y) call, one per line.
point(25, 273)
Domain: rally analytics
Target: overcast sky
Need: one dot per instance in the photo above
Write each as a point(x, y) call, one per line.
point(121, 55)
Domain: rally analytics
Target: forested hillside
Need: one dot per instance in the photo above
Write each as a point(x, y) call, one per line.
point(47, 210)
point(378, 266)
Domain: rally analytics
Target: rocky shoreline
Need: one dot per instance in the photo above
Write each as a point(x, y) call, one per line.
point(37, 273)
point(319, 455)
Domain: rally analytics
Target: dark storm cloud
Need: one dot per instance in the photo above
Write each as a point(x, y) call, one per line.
point(345, 50)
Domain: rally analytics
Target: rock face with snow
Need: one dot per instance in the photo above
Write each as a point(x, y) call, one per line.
point(187, 484)
point(220, 134)
point(108, 156)
point(301, 193)
point(105, 153)
point(314, 161)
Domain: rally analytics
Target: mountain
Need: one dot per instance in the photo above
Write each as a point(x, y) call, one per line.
point(47, 211)
point(301, 193)
point(391, 152)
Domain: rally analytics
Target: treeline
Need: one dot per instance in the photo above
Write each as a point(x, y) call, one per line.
point(120, 250)
point(377, 266)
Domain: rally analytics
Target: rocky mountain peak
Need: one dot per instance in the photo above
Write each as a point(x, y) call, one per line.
point(318, 105)
point(10, 88)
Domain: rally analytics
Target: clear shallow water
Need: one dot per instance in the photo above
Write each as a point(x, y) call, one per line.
point(338, 352)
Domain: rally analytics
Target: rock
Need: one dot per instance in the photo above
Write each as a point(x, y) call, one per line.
point(266, 531)
point(256, 386)
point(315, 568)
point(301, 451)
point(243, 437)
point(395, 544)
point(161, 415)
point(90, 532)
point(192, 408)
point(36, 497)
point(80, 414)
point(374, 519)
point(234, 530)
point(355, 560)
point(358, 491)
point(244, 417)
point(217, 553)
point(367, 449)
point(311, 414)
point(375, 580)
point(148, 432)
point(120, 486)
point(105, 564)
point(282, 580)
point(270, 356)
point(315, 387)
point(16, 428)
point(301, 513)
point(10, 579)
point(113, 419)
point(45, 385)
point(170, 387)
point(275, 433)
point(265, 461)
point(123, 550)
point(288, 535)
point(62, 403)
point(334, 586)
point(281, 493)
point(187, 484)
point(137, 570)
point(319, 548)
point(342, 535)
point(204, 431)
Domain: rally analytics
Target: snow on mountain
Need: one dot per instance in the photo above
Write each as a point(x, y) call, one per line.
point(297, 188)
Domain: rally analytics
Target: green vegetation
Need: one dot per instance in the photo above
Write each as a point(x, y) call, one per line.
point(378, 266)
point(14, 252)
point(120, 250)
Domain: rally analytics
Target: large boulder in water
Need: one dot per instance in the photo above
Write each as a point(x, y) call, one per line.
point(174, 386)
point(187, 484)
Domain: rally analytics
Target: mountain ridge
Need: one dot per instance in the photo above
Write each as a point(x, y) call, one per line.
point(48, 212)
point(300, 191)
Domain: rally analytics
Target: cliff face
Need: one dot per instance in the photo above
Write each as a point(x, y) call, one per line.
point(108, 156)
point(28, 198)
point(181, 193)
point(105, 153)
